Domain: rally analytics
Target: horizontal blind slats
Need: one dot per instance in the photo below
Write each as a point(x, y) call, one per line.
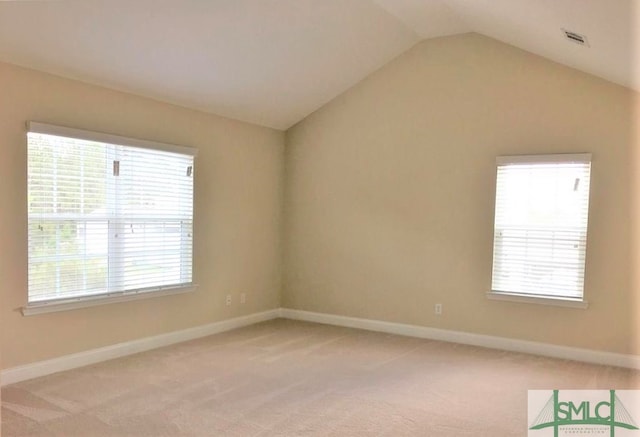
point(94, 231)
point(540, 233)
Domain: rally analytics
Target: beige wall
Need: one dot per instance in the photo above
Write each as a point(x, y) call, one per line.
point(634, 234)
point(389, 193)
point(388, 204)
point(238, 186)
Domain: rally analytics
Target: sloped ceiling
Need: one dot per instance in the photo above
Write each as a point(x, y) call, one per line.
point(611, 27)
point(273, 62)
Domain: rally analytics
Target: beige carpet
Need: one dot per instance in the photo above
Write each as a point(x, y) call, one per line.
point(286, 378)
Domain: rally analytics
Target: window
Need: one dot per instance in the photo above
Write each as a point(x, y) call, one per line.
point(108, 216)
point(540, 233)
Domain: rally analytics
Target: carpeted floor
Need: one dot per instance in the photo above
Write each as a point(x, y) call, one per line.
point(287, 378)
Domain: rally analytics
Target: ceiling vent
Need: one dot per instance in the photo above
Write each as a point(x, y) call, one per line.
point(576, 37)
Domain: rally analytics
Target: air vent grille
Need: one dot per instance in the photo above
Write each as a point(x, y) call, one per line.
point(576, 37)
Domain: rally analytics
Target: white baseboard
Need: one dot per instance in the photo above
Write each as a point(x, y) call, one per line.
point(528, 347)
point(67, 362)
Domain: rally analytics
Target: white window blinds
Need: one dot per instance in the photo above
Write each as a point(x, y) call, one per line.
point(107, 215)
point(540, 235)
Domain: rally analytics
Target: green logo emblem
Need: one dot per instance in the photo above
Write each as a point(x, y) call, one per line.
point(608, 413)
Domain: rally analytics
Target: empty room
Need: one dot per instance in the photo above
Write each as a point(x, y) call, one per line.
point(320, 218)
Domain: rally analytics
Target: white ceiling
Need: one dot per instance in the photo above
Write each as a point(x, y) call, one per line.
point(272, 62)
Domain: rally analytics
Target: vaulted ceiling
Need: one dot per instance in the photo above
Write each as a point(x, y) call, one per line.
point(273, 62)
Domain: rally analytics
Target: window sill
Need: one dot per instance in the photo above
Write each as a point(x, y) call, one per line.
point(89, 301)
point(554, 301)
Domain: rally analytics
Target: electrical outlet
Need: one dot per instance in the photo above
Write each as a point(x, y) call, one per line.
point(438, 309)
point(243, 297)
point(228, 301)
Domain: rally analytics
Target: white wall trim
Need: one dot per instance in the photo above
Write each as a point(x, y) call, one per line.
point(540, 300)
point(80, 359)
point(63, 131)
point(89, 301)
point(488, 341)
point(67, 362)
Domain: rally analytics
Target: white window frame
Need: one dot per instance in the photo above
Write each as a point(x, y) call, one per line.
point(542, 298)
point(68, 303)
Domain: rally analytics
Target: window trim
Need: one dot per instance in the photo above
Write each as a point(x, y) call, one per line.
point(72, 303)
point(75, 302)
point(541, 159)
point(79, 134)
point(509, 296)
point(541, 300)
